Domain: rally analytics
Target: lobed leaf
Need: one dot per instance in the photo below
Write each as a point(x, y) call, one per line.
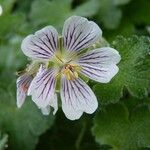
point(123, 127)
point(134, 70)
point(25, 125)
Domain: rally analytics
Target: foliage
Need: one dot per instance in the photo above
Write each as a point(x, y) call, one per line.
point(122, 120)
point(123, 128)
point(22, 125)
point(134, 70)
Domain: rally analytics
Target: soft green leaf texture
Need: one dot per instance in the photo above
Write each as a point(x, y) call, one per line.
point(24, 125)
point(12, 57)
point(121, 2)
point(141, 15)
point(134, 70)
point(6, 28)
point(88, 8)
point(65, 138)
point(110, 16)
point(121, 128)
point(110, 13)
point(55, 12)
point(125, 28)
point(7, 5)
point(52, 12)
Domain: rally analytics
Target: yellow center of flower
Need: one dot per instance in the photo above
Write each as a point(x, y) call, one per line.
point(70, 70)
point(67, 68)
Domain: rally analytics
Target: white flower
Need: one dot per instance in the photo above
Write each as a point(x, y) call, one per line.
point(23, 83)
point(1, 10)
point(64, 62)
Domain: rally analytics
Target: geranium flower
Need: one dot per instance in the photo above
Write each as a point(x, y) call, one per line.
point(63, 61)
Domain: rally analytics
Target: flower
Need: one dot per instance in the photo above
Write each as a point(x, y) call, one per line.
point(1, 10)
point(23, 83)
point(62, 61)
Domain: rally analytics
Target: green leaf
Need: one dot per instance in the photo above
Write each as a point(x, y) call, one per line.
point(121, 2)
point(55, 12)
point(23, 6)
point(88, 8)
point(121, 128)
point(7, 5)
point(134, 70)
point(49, 12)
point(12, 57)
point(24, 125)
point(125, 29)
point(110, 13)
point(10, 23)
point(141, 13)
point(110, 16)
point(107, 94)
point(77, 135)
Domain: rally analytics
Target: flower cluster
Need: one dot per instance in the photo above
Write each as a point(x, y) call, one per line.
point(59, 64)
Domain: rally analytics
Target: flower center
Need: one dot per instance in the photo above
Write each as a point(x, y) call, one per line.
point(71, 71)
point(66, 66)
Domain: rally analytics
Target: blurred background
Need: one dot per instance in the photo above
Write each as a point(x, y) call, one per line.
point(123, 120)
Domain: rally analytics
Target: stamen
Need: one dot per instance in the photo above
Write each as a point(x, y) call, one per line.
point(70, 70)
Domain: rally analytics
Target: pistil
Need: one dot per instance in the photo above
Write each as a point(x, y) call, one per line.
point(70, 70)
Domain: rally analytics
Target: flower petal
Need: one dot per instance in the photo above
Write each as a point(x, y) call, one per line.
point(23, 83)
point(41, 45)
point(104, 55)
point(45, 110)
point(77, 97)
point(53, 103)
point(102, 74)
point(100, 64)
point(79, 33)
point(42, 88)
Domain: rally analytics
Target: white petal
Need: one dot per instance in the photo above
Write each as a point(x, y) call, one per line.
point(41, 45)
point(77, 97)
point(42, 88)
point(79, 33)
point(100, 64)
point(23, 83)
point(53, 103)
point(102, 74)
point(104, 55)
point(45, 110)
